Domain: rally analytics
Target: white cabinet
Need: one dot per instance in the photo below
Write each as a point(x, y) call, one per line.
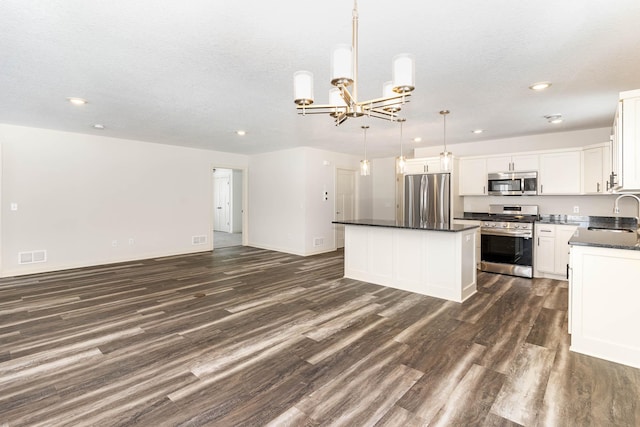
point(626, 140)
point(521, 163)
point(559, 173)
point(603, 303)
point(473, 176)
point(412, 166)
point(551, 255)
point(478, 237)
point(545, 250)
point(596, 160)
point(422, 165)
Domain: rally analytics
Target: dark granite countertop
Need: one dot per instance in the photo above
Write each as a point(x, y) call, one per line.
point(606, 239)
point(590, 221)
point(455, 228)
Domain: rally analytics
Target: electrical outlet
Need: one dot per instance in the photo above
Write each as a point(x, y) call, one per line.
point(131, 241)
point(576, 209)
point(114, 243)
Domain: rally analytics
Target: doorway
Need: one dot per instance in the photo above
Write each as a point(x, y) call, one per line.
point(345, 201)
point(227, 207)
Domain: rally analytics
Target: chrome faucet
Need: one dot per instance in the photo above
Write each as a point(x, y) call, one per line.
point(616, 209)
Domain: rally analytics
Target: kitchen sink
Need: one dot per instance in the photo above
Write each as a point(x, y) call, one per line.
point(613, 230)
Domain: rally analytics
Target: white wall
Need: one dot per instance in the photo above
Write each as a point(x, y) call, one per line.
point(594, 205)
point(78, 193)
point(546, 141)
point(286, 207)
point(383, 177)
point(236, 201)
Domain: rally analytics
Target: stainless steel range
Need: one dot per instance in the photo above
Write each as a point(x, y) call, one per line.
point(507, 240)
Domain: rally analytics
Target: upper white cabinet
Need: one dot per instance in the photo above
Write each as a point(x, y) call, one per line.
point(626, 142)
point(473, 176)
point(559, 173)
point(520, 163)
point(596, 161)
point(422, 165)
point(412, 166)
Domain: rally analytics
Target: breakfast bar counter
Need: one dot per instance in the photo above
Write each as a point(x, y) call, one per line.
point(433, 260)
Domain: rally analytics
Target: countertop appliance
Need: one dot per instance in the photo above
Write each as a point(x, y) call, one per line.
point(426, 200)
point(507, 240)
point(512, 183)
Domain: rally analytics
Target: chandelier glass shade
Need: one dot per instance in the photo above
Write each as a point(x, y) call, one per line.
point(344, 78)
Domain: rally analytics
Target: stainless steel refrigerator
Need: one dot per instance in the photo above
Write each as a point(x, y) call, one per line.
point(426, 200)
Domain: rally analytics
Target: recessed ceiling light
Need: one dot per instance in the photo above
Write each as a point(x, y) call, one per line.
point(77, 101)
point(98, 126)
point(554, 118)
point(540, 86)
point(417, 139)
point(241, 132)
point(477, 131)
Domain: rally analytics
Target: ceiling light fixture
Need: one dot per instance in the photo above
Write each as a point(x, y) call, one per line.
point(445, 156)
point(77, 101)
point(554, 118)
point(477, 131)
point(401, 161)
point(365, 166)
point(417, 139)
point(540, 86)
point(344, 73)
point(98, 126)
point(241, 132)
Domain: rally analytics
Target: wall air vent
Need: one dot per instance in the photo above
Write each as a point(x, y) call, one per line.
point(32, 257)
point(199, 240)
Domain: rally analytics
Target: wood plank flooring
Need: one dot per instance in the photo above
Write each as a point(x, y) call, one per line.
point(249, 337)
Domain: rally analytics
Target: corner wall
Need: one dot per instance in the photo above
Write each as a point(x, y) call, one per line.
point(288, 212)
point(90, 200)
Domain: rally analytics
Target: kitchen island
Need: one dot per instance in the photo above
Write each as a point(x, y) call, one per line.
point(604, 294)
point(431, 260)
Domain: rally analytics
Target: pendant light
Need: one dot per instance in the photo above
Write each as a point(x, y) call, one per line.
point(401, 161)
point(365, 166)
point(445, 156)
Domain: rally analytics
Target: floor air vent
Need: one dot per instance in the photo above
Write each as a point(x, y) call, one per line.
point(32, 257)
point(199, 240)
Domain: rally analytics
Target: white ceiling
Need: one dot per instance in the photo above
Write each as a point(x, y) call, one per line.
point(193, 72)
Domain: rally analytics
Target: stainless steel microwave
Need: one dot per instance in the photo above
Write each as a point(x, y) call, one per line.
point(512, 183)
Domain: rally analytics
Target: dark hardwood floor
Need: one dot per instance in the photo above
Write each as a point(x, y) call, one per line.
point(249, 337)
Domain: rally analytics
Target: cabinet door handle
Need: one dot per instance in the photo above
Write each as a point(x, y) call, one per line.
point(483, 190)
point(597, 187)
point(541, 188)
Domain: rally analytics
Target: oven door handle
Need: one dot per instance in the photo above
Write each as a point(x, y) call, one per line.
point(525, 234)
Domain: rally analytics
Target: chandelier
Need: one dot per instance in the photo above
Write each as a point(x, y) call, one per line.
point(343, 97)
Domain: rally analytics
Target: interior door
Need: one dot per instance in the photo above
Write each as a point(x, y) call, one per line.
point(221, 197)
point(345, 201)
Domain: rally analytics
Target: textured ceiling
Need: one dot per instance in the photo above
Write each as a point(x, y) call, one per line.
point(192, 72)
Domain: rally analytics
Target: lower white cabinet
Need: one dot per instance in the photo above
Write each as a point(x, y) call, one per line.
point(478, 238)
point(603, 303)
point(551, 251)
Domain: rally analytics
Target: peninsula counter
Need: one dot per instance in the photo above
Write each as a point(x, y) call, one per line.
point(433, 261)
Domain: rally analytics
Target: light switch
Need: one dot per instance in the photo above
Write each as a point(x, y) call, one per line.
point(14, 206)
